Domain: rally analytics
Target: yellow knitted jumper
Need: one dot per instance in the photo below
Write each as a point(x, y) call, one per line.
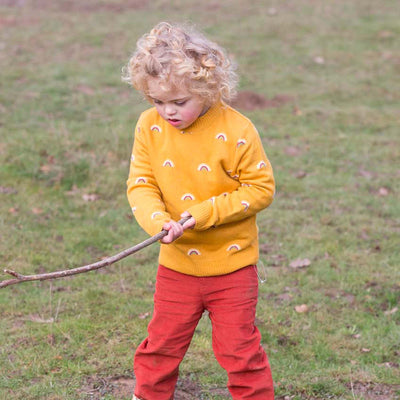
point(218, 171)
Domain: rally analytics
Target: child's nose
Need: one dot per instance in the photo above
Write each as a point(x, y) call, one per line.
point(170, 109)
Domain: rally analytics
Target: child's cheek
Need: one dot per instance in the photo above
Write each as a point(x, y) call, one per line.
point(189, 115)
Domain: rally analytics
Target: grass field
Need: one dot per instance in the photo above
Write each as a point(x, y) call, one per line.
point(327, 76)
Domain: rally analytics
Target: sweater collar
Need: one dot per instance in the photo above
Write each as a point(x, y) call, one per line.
point(206, 120)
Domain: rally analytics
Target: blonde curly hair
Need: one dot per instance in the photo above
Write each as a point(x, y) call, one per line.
point(179, 56)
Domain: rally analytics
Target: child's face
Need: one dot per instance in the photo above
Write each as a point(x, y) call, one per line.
point(177, 106)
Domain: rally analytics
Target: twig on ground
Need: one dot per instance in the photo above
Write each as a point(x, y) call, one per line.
point(19, 278)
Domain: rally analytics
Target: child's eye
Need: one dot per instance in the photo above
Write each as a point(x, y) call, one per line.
point(180, 103)
point(157, 101)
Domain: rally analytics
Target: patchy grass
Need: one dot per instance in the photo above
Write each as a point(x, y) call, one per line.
point(325, 99)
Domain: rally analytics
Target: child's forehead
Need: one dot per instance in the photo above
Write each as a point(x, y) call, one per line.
point(162, 91)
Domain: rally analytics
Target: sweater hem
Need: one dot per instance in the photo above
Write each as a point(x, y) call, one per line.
point(222, 266)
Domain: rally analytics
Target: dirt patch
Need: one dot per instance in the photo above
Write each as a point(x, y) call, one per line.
point(249, 101)
point(374, 391)
point(95, 387)
point(121, 387)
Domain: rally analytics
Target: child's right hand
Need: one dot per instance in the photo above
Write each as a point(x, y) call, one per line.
point(175, 230)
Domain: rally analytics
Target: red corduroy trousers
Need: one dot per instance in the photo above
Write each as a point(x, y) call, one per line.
point(179, 303)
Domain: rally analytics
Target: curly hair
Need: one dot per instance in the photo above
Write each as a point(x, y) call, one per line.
point(179, 56)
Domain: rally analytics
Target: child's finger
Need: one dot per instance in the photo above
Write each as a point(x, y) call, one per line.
point(190, 223)
point(175, 230)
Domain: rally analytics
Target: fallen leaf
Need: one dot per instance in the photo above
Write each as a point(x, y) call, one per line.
point(319, 60)
point(302, 308)
point(297, 111)
point(300, 263)
point(45, 168)
point(365, 350)
point(37, 210)
point(300, 174)
point(144, 315)
point(392, 311)
point(90, 197)
point(13, 210)
point(383, 191)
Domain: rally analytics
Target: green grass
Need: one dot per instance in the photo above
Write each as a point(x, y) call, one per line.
point(66, 123)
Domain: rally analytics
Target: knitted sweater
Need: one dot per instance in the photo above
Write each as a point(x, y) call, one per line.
point(215, 169)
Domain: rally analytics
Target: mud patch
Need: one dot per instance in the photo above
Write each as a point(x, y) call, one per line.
point(122, 386)
point(249, 101)
point(374, 391)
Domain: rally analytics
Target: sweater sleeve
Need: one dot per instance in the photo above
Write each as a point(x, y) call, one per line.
point(144, 195)
point(253, 171)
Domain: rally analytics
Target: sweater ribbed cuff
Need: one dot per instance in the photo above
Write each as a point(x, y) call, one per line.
point(201, 213)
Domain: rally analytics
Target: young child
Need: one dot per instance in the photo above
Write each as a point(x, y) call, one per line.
point(196, 157)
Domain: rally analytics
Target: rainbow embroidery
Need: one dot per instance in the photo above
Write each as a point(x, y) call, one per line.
point(233, 247)
point(241, 142)
point(212, 200)
point(203, 167)
point(141, 179)
point(168, 163)
point(221, 136)
point(134, 209)
point(155, 214)
point(155, 128)
point(187, 196)
point(138, 129)
point(245, 204)
point(193, 252)
point(261, 164)
point(246, 184)
point(132, 158)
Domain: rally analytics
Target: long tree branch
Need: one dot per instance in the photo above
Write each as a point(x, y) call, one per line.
point(19, 278)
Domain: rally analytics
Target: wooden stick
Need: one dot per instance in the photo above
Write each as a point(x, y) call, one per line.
point(19, 278)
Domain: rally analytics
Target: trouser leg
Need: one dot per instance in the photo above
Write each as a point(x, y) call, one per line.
point(236, 340)
point(177, 310)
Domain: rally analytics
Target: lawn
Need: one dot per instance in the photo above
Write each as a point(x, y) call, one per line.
point(319, 79)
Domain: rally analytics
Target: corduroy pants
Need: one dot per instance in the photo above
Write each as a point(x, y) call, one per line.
point(179, 303)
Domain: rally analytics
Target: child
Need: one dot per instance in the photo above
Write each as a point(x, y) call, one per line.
point(196, 157)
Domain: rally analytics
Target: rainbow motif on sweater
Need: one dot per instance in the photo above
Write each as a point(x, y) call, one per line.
point(203, 167)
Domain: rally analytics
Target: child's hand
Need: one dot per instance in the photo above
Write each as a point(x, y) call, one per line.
point(190, 223)
point(175, 229)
